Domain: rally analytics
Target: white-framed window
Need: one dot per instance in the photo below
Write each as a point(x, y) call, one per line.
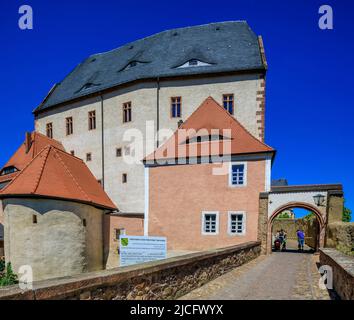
point(210, 223)
point(194, 63)
point(237, 223)
point(238, 174)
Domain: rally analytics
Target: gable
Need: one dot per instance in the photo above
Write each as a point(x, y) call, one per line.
point(213, 131)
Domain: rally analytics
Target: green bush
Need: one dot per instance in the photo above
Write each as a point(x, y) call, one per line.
point(8, 277)
point(349, 251)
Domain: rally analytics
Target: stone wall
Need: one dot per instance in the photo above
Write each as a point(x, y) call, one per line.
point(133, 226)
point(335, 206)
point(56, 238)
point(164, 279)
point(263, 221)
point(312, 232)
point(343, 271)
point(340, 235)
point(310, 227)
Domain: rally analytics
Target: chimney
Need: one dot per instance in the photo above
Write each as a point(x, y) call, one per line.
point(28, 141)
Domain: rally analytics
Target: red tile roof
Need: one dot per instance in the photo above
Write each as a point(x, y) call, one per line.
point(209, 115)
point(54, 173)
point(21, 158)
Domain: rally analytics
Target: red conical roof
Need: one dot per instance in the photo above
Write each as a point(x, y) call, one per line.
point(53, 173)
point(24, 154)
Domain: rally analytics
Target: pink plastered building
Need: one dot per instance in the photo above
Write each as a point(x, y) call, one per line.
point(197, 198)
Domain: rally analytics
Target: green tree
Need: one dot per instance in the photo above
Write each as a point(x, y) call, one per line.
point(347, 214)
point(8, 277)
point(283, 215)
point(309, 216)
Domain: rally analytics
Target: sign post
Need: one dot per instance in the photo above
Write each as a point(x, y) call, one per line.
point(140, 249)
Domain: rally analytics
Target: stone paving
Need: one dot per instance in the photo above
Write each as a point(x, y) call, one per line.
point(279, 276)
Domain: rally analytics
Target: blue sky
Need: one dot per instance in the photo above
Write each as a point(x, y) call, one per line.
point(310, 83)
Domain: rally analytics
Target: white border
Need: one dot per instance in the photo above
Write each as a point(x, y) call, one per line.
point(268, 174)
point(146, 211)
point(244, 223)
point(244, 175)
point(216, 225)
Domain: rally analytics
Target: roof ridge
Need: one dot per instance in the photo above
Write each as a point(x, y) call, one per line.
point(165, 31)
point(239, 123)
point(41, 168)
point(71, 175)
point(68, 154)
point(21, 171)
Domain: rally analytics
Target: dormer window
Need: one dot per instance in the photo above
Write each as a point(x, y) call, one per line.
point(87, 86)
point(8, 170)
point(194, 63)
point(132, 64)
point(204, 138)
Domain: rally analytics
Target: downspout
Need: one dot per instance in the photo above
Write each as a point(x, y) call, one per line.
point(102, 139)
point(157, 111)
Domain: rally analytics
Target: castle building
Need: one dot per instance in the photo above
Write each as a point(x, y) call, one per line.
point(215, 199)
point(159, 81)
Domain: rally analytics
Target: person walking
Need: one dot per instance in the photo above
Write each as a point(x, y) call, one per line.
point(300, 239)
point(282, 238)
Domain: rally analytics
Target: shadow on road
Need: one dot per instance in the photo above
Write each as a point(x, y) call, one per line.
point(290, 250)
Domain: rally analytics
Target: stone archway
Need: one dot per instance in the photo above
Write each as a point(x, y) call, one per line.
point(293, 205)
point(284, 197)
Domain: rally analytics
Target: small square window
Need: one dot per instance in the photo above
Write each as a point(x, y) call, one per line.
point(69, 126)
point(49, 130)
point(92, 120)
point(124, 178)
point(228, 102)
point(238, 174)
point(88, 157)
point(193, 62)
point(127, 112)
point(118, 233)
point(176, 107)
point(34, 219)
point(119, 152)
point(84, 222)
point(237, 223)
point(210, 223)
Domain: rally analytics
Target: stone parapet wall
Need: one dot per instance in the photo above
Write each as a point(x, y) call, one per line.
point(343, 271)
point(164, 279)
point(310, 227)
point(340, 235)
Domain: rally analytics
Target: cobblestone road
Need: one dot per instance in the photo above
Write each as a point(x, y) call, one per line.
point(281, 275)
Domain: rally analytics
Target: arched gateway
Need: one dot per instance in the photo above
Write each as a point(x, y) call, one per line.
point(325, 201)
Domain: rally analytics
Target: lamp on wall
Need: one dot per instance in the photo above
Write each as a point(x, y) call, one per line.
point(319, 199)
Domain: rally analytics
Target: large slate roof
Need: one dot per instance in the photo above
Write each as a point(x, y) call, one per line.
point(226, 46)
